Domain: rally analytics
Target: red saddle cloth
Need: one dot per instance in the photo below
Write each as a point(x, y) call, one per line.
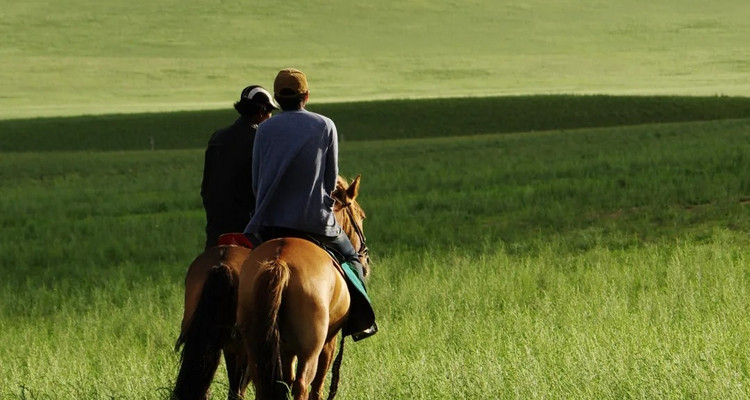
point(235, 239)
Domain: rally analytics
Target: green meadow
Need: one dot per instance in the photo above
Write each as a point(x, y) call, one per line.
point(92, 57)
point(594, 262)
point(557, 192)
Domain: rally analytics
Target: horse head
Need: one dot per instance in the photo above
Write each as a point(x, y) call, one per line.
point(351, 217)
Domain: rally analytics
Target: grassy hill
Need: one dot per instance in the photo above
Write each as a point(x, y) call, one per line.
point(91, 57)
point(375, 120)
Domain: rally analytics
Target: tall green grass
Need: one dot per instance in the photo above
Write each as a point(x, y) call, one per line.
point(611, 187)
point(661, 322)
point(600, 262)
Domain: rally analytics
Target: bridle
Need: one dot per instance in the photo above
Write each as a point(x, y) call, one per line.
point(363, 251)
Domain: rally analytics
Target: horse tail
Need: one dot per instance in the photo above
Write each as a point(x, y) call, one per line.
point(206, 334)
point(335, 371)
point(265, 346)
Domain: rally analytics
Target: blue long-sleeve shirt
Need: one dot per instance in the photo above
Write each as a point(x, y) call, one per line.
point(295, 165)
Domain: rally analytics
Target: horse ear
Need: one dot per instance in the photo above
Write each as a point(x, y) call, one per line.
point(353, 190)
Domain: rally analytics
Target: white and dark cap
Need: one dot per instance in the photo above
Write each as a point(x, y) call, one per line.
point(258, 95)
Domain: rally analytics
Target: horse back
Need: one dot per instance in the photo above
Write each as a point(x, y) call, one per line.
point(315, 286)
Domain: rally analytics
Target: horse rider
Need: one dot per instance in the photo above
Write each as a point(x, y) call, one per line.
point(295, 168)
point(226, 188)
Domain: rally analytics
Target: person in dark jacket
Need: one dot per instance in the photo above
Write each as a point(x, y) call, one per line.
point(227, 188)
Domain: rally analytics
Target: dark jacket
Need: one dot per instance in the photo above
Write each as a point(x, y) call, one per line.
point(226, 188)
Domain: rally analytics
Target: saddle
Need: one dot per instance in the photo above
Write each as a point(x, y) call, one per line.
point(235, 239)
point(361, 313)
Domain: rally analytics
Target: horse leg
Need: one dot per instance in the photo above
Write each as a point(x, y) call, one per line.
point(306, 369)
point(311, 346)
point(237, 372)
point(324, 362)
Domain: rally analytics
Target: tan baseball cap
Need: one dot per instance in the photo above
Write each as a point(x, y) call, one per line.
point(290, 83)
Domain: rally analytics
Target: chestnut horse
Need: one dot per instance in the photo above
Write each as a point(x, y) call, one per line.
point(208, 322)
point(208, 325)
point(292, 303)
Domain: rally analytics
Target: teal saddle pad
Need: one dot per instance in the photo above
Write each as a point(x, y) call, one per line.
point(361, 314)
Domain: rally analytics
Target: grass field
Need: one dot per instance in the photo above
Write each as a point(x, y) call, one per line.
point(94, 57)
point(599, 262)
point(557, 192)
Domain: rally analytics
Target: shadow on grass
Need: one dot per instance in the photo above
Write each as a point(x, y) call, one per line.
point(377, 120)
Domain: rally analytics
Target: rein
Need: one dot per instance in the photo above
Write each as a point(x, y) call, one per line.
point(363, 251)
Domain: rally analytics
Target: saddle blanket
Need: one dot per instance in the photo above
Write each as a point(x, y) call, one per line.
point(361, 313)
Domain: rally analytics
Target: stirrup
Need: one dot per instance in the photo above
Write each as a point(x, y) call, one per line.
point(365, 333)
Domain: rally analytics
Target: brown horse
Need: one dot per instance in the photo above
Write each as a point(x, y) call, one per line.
point(208, 325)
point(292, 303)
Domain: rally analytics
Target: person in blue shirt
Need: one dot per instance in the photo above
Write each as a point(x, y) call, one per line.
point(295, 169)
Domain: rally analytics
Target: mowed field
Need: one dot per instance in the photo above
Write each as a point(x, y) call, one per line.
point(93, 57)
point(545, 244)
